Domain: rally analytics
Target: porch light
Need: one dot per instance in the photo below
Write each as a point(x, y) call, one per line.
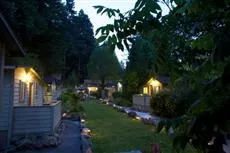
point(155, 83)
point(138, 118)
point(26, 77)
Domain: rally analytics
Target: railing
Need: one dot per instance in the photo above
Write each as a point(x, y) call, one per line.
point(36, 119)
point(142, 102)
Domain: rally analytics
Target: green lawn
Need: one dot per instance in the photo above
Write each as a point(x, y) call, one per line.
point(114, 132)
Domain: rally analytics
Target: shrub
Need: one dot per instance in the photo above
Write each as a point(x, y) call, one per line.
point(96, 94)
point(71, 103)
point(117, 95)
point(122, 102)
point(164, 105)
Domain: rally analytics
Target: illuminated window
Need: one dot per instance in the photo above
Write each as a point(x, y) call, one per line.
point(157, 89)
point(22, 89)
point(145, 90)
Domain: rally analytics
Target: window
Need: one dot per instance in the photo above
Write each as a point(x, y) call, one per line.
point(22, 89)
point(35, 88)
point(157, 89)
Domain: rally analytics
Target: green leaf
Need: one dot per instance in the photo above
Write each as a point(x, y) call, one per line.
point(109, 13)
point(111, 28)
point(156, 6)
point(120, 46)
point(126, 44)
point(114, 39)
point(179, 2)
point(160, 125)
point(130, 40)
point(159, 15)
point(97, 6)
point(106, 10)
point(101, 38)
point(98, 29)
point(137, 4)
point(109, 40)
point(99, 10)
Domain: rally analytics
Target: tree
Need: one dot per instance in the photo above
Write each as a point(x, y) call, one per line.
point(53, 32)
point(195, 34)
point(103, 65)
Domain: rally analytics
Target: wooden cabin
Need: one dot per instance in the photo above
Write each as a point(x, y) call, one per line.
point(31, 114)
point(9, 47)
point(152, 87)
point(22, 109)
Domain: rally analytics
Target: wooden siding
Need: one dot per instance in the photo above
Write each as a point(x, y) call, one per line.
point(36, 119)
point(142, 102)
point(6, 101)
point(6, 109)
point(2, 61)
point(38, 89)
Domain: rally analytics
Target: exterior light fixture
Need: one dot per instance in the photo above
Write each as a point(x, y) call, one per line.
point(26, 77)
point(82, 120)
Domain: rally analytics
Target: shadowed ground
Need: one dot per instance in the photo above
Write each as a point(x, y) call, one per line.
point(70, 140)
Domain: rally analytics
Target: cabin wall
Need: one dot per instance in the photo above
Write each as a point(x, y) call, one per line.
point(6, 110)
point(27, 120)
point(37, 93)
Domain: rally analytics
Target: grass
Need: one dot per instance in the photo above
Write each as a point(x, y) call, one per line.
point(115, 132)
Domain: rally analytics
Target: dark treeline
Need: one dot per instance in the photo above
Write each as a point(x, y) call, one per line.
point(58, 39)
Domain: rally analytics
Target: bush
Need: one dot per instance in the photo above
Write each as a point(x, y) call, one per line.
point(96, 94)
point(71, 103)
point(164, 105)
point(117, 95)
point(122, 102)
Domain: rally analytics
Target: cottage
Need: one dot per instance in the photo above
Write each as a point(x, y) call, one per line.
point(53, 90)
point(152, 87)
point(9, 47)
point(110, 88)
point(155, 85)
point(22, 106)
point(28, 87)
point(31, 114)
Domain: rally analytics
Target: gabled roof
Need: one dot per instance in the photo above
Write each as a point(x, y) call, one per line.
point(51, 79)
point(161, 79)
point(7, 35)
point(29, 69)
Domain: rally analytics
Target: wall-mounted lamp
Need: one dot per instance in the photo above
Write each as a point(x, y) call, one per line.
point(26, 77)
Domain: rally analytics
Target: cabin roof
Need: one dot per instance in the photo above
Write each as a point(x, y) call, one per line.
point(51, 79)
point(161, 79)
point(7, 36)
point(29, 69)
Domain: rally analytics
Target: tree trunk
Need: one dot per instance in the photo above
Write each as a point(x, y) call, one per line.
point(103, 87)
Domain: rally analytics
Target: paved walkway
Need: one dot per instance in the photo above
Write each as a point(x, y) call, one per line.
point(70, 140)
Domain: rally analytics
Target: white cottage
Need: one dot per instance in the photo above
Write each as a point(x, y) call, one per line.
point(9, 47)
point(31, 114)
point(22, 109)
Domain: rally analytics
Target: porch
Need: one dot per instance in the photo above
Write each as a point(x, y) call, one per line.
point(36, 119)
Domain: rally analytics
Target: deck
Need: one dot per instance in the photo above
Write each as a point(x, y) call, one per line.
point(36, 119)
